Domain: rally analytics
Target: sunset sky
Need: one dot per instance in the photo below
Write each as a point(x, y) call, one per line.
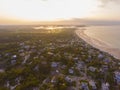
point(19, 11)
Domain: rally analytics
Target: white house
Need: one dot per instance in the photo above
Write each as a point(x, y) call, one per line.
point(14, 56)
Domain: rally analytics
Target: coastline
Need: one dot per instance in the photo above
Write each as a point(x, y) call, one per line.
point(98, 44)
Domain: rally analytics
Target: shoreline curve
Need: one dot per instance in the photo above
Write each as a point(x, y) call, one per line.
point(115, 52)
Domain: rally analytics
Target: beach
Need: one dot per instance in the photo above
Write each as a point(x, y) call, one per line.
point(115, 52)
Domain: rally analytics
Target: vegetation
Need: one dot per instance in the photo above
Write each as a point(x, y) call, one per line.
point(54, 59)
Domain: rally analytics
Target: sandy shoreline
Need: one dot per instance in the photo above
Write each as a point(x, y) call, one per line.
point(98, 44)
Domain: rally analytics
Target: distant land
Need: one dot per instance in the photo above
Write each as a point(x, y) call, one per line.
point(74, 21)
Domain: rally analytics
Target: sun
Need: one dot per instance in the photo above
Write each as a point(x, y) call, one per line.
point(37, 10)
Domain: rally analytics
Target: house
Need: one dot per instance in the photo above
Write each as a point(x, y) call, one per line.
point(89, 59)
point(54, 64)
point(2, 70)
point(13, 62)
point(50, 53)
point(22, 54)
point(92, 83)
point(27, 47)
point(33, 50)
point(117, 77)
point(71, 71)
point(68, 79)
point(105, 67)
point(17, 80)
point(92, 69)
point(21, 50)
point(100, 56)
point(76, 59)
point(14, 56)
point(63, 66)
point(36, 68)
point(22, 44)
point(57, 71)
point(106, 60)
point(36, 57)
point(105, 86)
point(7, 54)
point(84, 86)
point(80, 65)
point(81, 62)
point(119, 63)
point(35, 88)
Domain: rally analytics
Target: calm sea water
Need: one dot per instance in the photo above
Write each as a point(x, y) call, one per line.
point(108, 34)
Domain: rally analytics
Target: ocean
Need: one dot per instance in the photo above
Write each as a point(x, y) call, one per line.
point(105, 38)
point(110, 35)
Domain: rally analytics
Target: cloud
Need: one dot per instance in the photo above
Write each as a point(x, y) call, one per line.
point(104, 2)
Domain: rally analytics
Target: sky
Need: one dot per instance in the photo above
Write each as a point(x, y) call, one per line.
point(22, 11)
